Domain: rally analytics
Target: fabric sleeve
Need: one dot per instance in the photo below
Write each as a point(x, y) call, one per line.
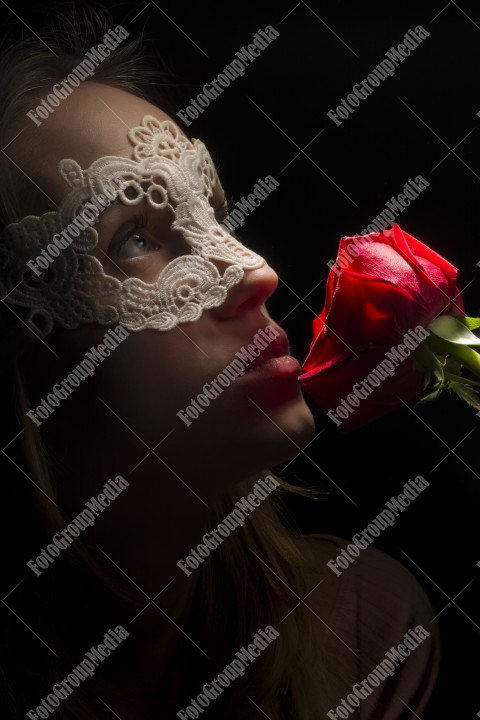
point(380, 648)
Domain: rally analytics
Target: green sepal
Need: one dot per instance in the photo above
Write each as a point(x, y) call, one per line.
point(462, 353)
point(470, 322)
point(465, 393)
point(426, 362)
point(460, 379)
point(437, 389)
point(449, 328)
point(443, 355)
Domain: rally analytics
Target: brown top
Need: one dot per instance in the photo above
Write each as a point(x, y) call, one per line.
point(364, 613)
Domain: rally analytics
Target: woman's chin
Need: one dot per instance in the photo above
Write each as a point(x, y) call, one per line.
point(288, 431)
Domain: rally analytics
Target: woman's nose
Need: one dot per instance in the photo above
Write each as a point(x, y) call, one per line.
point(252, 291)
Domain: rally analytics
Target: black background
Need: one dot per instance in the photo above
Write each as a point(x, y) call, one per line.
point(334, 181)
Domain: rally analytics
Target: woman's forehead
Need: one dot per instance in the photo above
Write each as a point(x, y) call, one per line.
point(91, 123)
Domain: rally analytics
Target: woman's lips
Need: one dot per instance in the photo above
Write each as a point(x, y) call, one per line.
point(274, 361)
point(273, 366)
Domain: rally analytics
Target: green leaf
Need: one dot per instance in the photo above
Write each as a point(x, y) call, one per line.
point(438, 388)
point(466, 393)
point(463, 354)
point(460, 379)
point(469, 322)
point(450, 328)
point(452, 366)
point(425, 361)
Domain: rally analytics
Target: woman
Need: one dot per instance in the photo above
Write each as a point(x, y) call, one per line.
point(152, 393)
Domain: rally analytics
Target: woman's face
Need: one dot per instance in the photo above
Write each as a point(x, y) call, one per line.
point(135, 400)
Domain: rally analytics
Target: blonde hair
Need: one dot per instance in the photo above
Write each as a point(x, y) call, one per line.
point(235, 592)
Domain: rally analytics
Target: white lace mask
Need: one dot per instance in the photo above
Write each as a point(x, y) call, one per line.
point(168, 171)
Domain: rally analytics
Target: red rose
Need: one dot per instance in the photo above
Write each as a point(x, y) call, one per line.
point(374, 302)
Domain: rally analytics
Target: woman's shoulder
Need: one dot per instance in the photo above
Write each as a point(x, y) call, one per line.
point(369, 571)
point(371, 611)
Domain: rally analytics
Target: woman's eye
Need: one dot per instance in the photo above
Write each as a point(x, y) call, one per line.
point(131, 245)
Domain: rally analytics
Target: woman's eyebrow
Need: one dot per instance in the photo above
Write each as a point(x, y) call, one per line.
point(110, 206)
point(111, 221)
point(116, 214)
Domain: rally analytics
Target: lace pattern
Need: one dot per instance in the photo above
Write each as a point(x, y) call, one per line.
point(168, 171)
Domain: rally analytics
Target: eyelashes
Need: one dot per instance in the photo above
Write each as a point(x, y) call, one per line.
point(121, 247)
point(223, 210)
point(134, 240)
